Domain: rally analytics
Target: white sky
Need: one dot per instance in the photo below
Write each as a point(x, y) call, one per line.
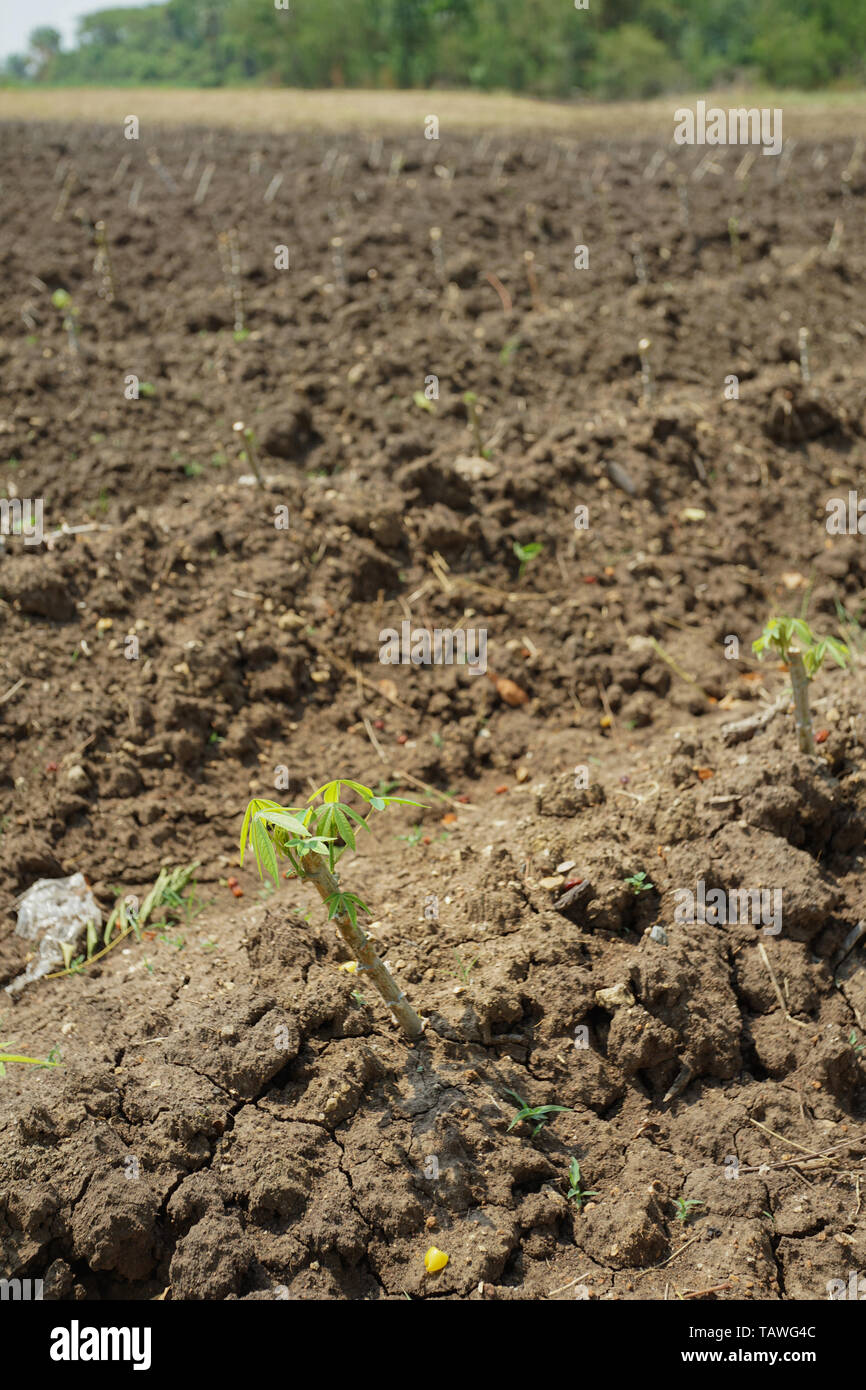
point(19, 17)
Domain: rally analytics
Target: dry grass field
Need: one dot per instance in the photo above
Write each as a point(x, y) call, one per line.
point(819, 116)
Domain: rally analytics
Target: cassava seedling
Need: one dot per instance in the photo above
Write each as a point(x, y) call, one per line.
point(646, 371)
point(102, 263)
point(62, 300)
point(470, 400)
point(803, 344)
point(804, 653)
point(250, 454)
point(230, 257)
point(438, 253)
point(312, 838)
point(535, 294)
point(734, 237)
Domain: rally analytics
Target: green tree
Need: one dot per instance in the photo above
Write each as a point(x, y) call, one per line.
point(45, 46)
point(631, 63)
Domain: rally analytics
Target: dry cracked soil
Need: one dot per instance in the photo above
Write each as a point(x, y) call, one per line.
point(233, 1116)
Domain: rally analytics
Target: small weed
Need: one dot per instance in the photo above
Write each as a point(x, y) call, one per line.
point(385, 788)
point(177, 942)
point(509, 347)
point(464, 969)
point(525, 553)
point(128, 918)
point(685, 1206)
point(7, 1058)
point(470, 400)
point(575, 1192)
point(414, 836)
point(539, 1115)
point(639, 883)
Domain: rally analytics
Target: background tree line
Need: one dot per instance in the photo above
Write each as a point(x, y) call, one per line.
point(615, 48)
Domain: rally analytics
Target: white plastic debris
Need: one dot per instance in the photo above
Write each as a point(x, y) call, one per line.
point(54, 911)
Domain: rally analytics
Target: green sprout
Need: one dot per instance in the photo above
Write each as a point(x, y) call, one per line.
point(639, 883)
point(804, 653)
point(855, 1043)
point(8, 1058)
point(62, 300)
point(128, 918)
point(313, 839)
point(414, 837)
point(575, 1192)
point(423, 403)
point(538, 1114)
point(470, 400)
point(464, 969)
point(685, 1206)
point(509, 347)
point(250, 454)
point(525, 553)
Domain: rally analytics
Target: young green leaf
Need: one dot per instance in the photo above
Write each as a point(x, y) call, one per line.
point(266, 856)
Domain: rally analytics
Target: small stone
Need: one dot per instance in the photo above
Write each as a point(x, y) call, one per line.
point(617, 997)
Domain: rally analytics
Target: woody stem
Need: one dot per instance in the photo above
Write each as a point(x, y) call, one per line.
point(358, 943)
point(802, 712)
